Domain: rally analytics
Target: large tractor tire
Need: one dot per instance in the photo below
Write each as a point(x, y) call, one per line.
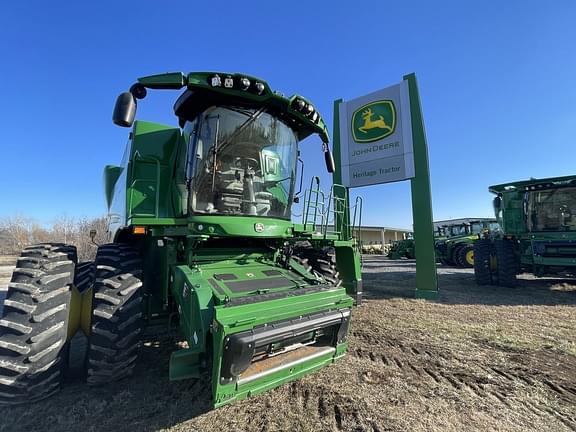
point(34, 324)
point(506, 263)
point(455, 258)
point(322, 261)
point(84, 277)
point(116, 314)
point(466, 256)
point(482, 257)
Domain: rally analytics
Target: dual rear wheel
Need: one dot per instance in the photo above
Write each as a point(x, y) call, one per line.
point(38, 318)
point(495, 263)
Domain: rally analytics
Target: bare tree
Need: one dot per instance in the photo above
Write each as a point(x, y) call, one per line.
point(18, 231)
point(64, 230)
point(86, 247)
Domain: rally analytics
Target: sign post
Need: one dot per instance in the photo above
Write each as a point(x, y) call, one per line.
point(426, 278)
point(379, 138)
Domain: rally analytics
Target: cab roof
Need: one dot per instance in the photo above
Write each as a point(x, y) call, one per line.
point(533, 184)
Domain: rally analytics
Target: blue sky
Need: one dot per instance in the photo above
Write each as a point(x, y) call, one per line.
point(497, 84)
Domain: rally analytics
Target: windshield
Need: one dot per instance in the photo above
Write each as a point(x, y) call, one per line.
point(457, 230)
point(552, 210)
point(476, 227)
point(243, 162)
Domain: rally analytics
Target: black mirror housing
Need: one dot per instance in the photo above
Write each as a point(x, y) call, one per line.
point(330, 165)
point(124, 110)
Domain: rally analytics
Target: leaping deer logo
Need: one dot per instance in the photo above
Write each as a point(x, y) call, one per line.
point(373, 121)
point(372, 124)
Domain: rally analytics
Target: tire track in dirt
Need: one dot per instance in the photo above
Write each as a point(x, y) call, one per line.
point(425, 362)
point(341, 412)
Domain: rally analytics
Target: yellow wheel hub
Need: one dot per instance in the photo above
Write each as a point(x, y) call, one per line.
point(470, 257)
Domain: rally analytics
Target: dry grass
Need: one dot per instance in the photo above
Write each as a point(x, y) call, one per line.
point(481, 358)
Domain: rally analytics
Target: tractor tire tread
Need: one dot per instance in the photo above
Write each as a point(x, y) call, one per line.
point(116, 323)
point(34, 322)
point(322, 261)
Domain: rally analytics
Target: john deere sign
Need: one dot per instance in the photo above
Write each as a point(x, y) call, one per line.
point(373, 121)
point(376, 138)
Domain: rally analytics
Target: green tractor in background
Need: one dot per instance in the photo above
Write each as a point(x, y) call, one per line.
point(200, 217)
point(538, 220)
point(405, 248)
point(454, 243)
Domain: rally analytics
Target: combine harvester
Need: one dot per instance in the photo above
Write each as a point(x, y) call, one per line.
point(538, 220)
point(200, 217)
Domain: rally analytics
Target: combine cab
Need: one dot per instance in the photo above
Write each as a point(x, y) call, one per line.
point(203, 239)
point(538, 220)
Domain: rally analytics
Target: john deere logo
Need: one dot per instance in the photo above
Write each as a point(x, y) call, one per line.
point(374, 121)
point(258, 227)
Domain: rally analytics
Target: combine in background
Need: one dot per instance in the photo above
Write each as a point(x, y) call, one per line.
point(538, 220)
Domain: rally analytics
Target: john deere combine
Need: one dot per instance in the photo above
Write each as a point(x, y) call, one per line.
point(538, 220)
point(202, 239)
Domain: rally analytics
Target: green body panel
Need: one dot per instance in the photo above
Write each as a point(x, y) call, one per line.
point(205, 315)
point(537, 252)
point(241, 226)
point(215, 276)
point(111, 175)
point(242, 318)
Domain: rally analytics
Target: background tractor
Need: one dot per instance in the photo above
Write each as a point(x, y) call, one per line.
point(538, 220)
point(456, 247)
point(203, 240)
point(405, 248)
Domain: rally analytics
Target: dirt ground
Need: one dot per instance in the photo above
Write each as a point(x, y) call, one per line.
point(480, 358)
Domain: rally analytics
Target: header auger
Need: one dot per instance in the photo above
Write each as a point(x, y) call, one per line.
point(201, 221)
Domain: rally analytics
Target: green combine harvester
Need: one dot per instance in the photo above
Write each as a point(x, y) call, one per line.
point(538, 220)
point(203, 240)
point(456, 246)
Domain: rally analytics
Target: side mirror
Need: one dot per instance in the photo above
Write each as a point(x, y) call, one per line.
point(329, 159)
point(124, 110)
point(497, 203)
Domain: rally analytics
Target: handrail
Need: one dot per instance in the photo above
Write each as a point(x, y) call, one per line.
point(307, 203)
point(335, 207)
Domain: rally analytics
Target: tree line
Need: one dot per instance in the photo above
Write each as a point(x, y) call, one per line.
point(18, 231)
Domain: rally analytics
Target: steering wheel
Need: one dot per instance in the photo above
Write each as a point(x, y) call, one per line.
point(246, 164)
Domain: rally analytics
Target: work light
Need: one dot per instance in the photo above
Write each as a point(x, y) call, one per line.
point(244, 83)
point(216, 81)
